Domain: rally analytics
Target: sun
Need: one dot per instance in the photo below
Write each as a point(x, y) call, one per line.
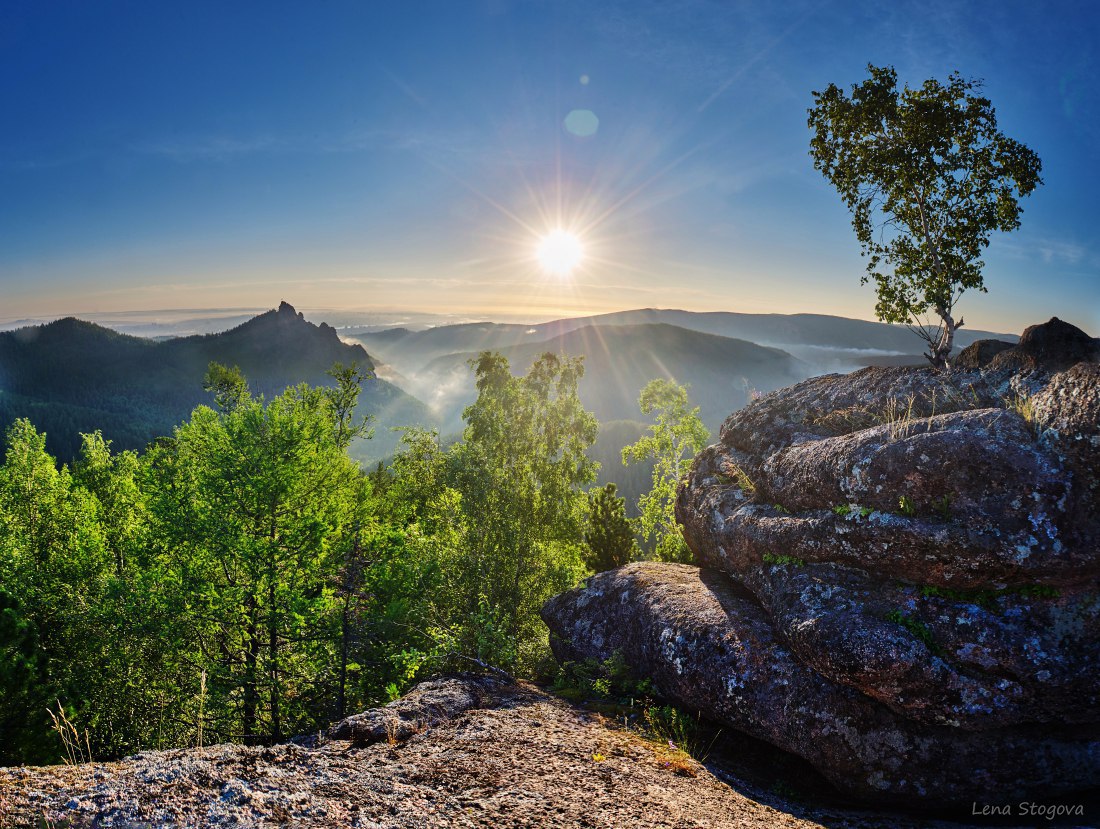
point(559, 252)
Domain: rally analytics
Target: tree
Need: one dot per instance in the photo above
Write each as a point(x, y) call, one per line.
point(927, 176)
point(258, 506)
point(53, 574)
point(672, 443)
point(518, 474)
point(609, 537)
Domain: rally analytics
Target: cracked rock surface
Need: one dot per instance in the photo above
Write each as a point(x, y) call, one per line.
point(903, 576)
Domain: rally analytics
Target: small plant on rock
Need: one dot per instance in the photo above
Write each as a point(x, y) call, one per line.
point(1023, 404)
point(917, 628)
point(678, 736)
point(608, 680)
point(844, 510)
point(772, 558)
point(899, 419)
point(77, 746)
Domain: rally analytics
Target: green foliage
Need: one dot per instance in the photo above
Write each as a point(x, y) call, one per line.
point(609, 538)
point(502, 512)
point(611, 679)
point(739, 478)
point(844, 510)
point(228, 386)
point(54, 569)
point(772, 558)
point(988, 599)
point(238, 580)
point(268, 506)
point(24, 689)
point(679, 730)
point(518, 475)
point(906, 506)
point(1023, 404)
point(917, 628)
point(942, 506)
point(928, 177)
point(672, 443)
point(244, 580)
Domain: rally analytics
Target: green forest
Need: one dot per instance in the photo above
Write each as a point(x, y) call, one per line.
point(243, 579)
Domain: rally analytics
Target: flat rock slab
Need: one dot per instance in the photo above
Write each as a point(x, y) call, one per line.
point(521, 758)
point(708, 644)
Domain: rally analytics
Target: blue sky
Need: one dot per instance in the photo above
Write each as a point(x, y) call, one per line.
point(409, 155)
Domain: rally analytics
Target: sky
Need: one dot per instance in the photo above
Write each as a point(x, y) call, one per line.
point(409, 156)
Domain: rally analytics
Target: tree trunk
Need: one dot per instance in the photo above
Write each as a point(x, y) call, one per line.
point(341, 697)
point(939, 352)
point(251, 658)
point(273, 647)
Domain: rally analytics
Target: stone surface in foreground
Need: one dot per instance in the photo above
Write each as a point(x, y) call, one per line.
point(708, 644)
point(475, 753)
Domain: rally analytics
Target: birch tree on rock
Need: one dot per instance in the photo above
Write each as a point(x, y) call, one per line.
point(928, 177)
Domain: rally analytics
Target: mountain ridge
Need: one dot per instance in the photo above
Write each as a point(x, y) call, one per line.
point(73, 376)
point(832, 342)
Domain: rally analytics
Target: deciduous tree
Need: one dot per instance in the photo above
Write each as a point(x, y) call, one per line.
point(928, 177)
point(673, 441)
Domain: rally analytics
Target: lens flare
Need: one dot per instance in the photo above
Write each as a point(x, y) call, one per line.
point(559, 252)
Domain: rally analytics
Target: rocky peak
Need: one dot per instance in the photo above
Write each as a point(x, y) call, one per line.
point(1058, 341)
point(1052, 346)
point(287, 310)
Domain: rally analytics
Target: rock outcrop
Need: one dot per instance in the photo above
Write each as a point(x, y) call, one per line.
point(902, 578)
point(456, 752)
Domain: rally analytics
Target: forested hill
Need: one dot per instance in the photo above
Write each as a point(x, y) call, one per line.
point(807, 336)
point(71, 376)
point(619, 360)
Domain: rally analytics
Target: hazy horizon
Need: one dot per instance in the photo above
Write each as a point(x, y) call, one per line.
point(213, 320)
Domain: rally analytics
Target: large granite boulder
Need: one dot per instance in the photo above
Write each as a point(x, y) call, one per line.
point(708, 644)
point(904, 576)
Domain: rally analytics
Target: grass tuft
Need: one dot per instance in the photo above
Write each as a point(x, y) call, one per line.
point(77, 747)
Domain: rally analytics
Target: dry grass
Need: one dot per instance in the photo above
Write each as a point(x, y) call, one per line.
point(1023, 404)
point(77, 747)
point(899, 417)
point(732, 475)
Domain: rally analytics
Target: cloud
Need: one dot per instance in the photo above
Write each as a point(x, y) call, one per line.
point(1049, 250)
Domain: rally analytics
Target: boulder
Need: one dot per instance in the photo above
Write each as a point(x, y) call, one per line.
point(426, 706)
point(1067, 411)
point(1055, 345)
point(979, 353)
point(900, 563)
point(709, 645)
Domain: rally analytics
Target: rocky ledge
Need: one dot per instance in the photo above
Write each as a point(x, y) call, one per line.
point(901, 577)
point(456, 752)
